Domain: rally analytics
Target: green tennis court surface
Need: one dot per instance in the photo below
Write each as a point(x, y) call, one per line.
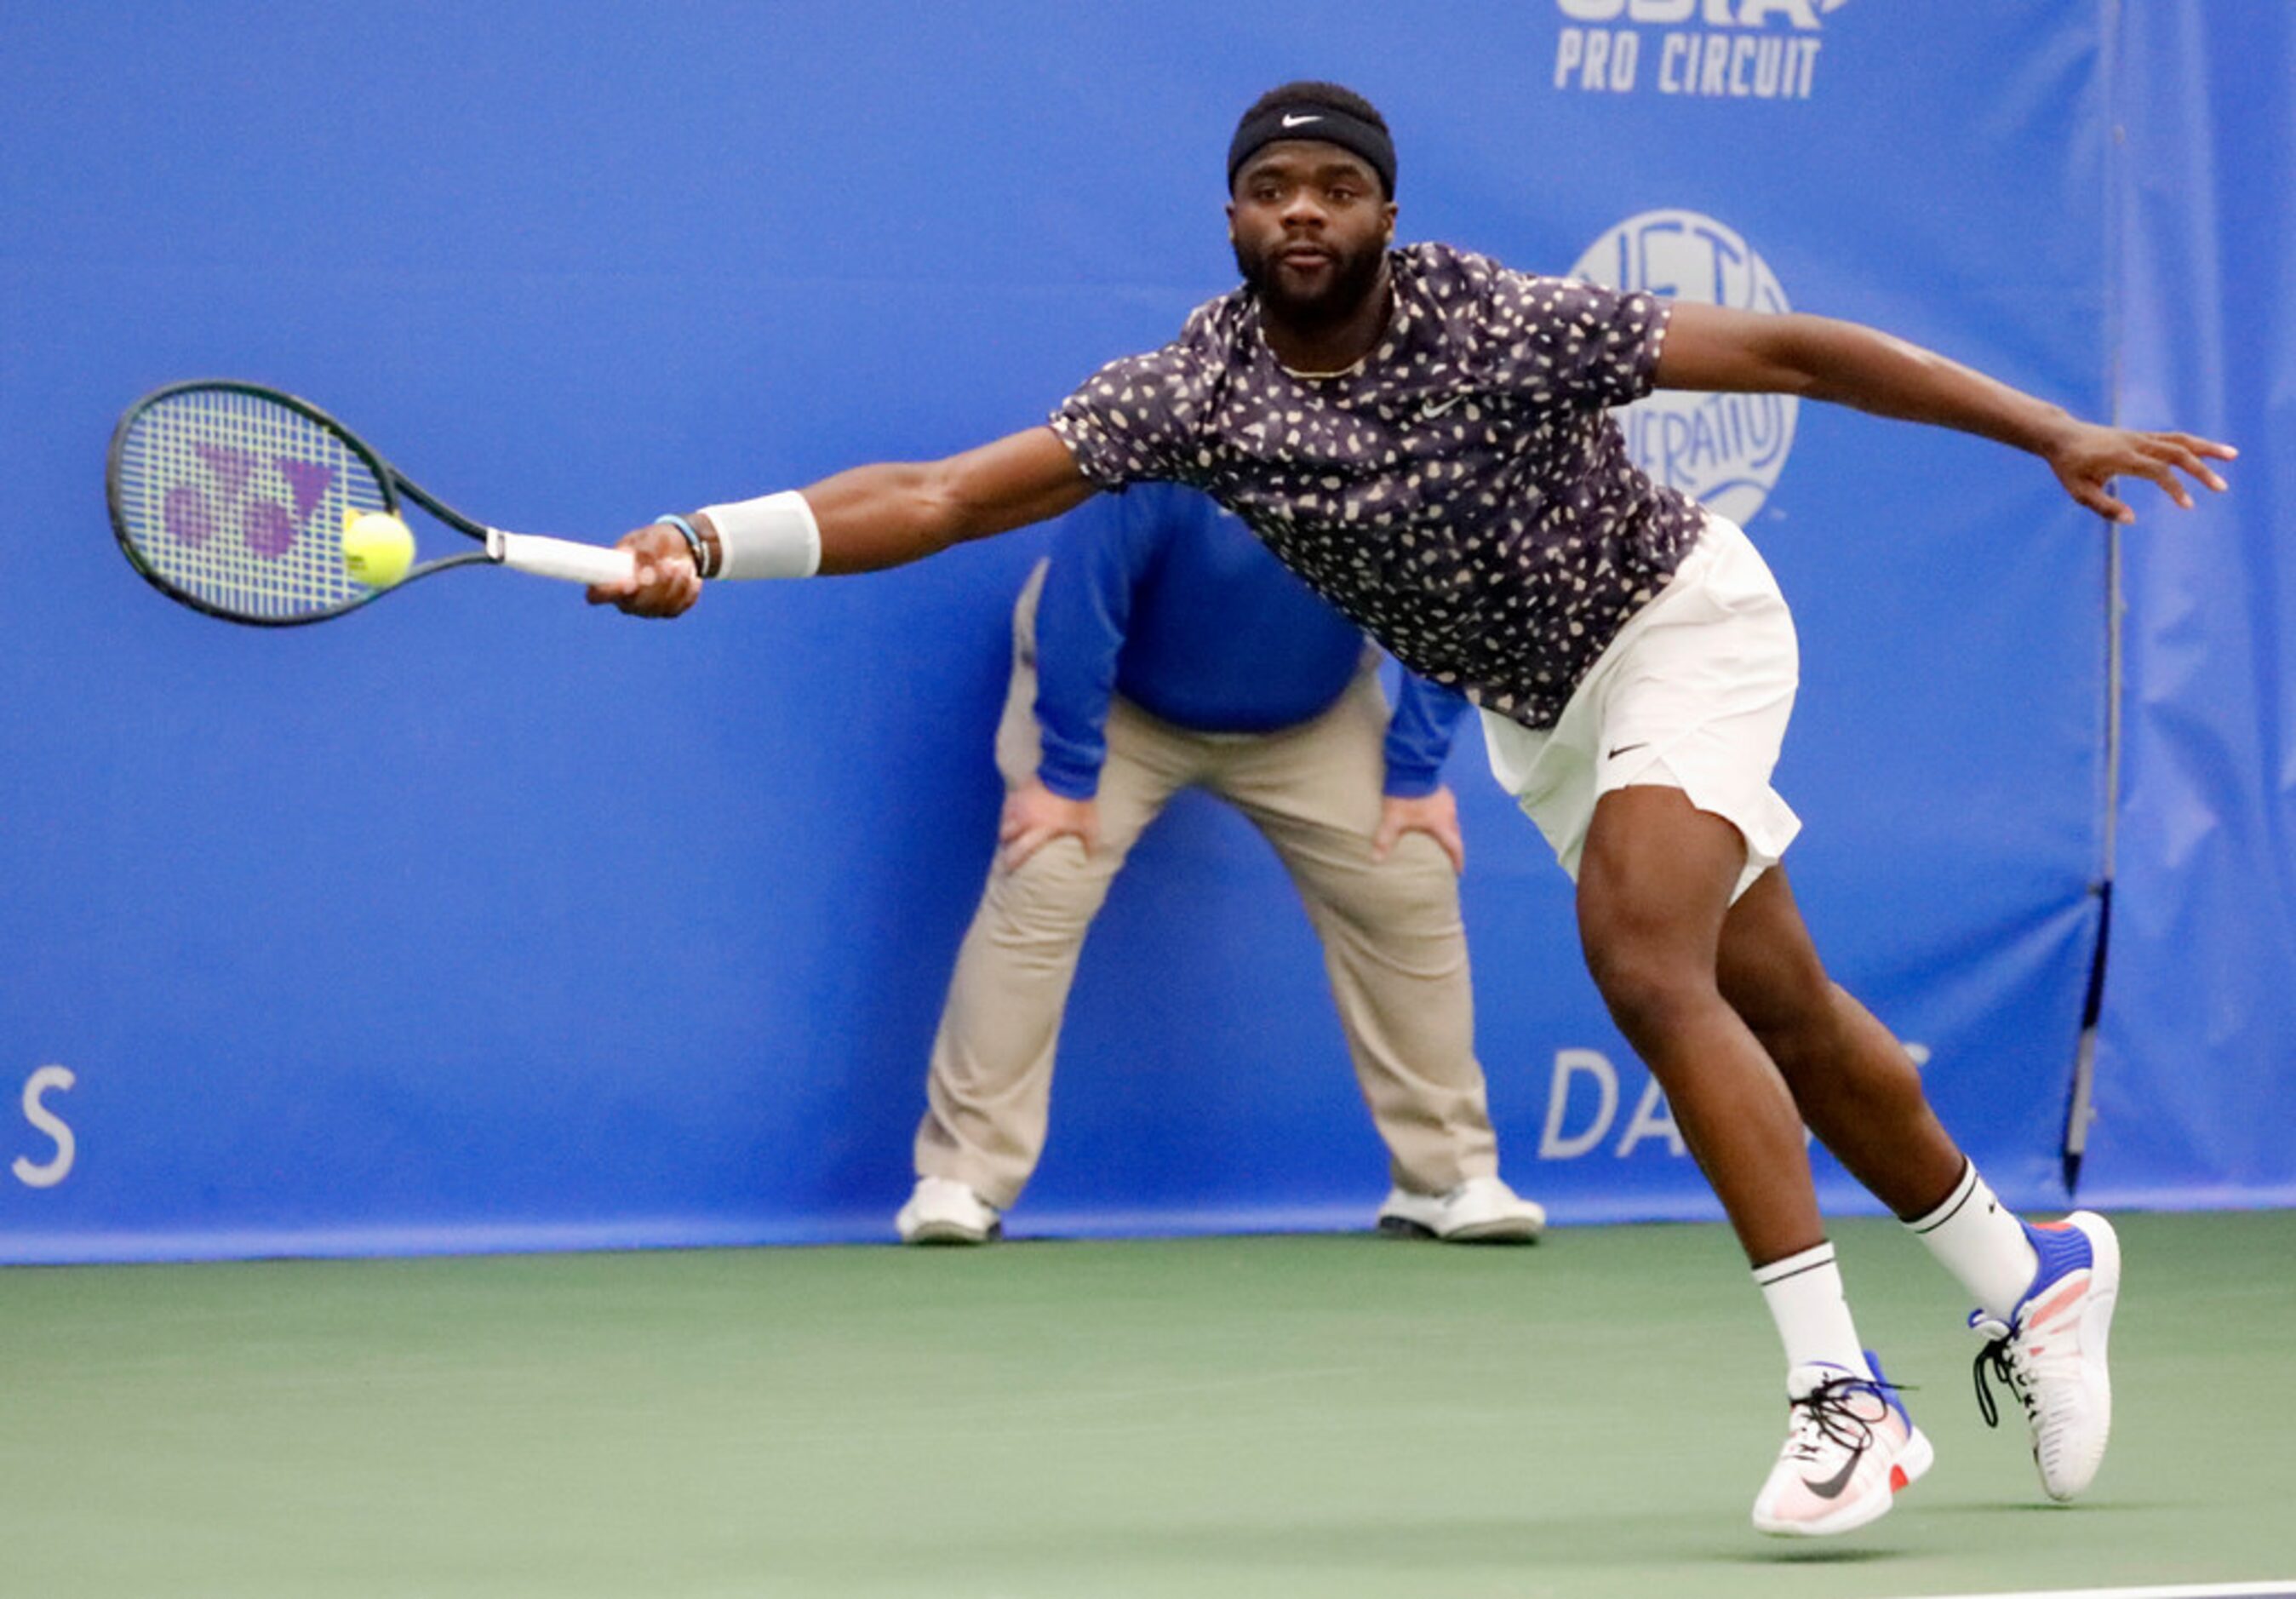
point(1315, 1416)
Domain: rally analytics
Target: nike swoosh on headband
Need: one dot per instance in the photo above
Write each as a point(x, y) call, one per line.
point(1291, 121)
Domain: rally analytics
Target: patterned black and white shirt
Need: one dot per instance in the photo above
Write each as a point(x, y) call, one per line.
point(1461, 493)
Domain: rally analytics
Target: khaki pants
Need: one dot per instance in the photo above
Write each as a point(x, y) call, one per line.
point(1394, 945)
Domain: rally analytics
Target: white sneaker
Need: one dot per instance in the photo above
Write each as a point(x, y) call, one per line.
point(2051, 1351)
point(1478, 1211)
point(943, 1211)
point(1849, 1447)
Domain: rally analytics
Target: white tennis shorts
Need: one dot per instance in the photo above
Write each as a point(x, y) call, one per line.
point(1695, 693)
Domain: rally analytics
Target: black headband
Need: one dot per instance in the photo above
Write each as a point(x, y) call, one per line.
point(1313, 119)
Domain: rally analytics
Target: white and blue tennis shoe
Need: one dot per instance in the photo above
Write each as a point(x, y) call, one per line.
point(2051, 1351)
point(1850, 1448)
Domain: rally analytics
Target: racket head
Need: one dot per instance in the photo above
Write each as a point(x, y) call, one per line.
point(230, 497)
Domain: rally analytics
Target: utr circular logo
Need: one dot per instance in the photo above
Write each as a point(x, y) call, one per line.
point(1723, 450)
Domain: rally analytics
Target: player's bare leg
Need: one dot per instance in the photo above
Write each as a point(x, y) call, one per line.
point(2046, 1294)
point(1856, 1086)
point(1654, 886)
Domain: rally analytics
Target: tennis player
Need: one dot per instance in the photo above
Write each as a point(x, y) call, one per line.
point(1424, 436)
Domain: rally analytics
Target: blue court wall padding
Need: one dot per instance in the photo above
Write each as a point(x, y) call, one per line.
point(2196, 1060)
point(484, 921)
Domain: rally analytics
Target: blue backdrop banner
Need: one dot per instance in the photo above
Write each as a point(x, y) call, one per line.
point(2196, 1061)
point(481, 919)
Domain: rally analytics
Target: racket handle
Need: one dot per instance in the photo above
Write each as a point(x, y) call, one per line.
point(559, 558)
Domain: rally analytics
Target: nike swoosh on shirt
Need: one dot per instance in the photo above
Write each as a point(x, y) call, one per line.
point(1291, 121)
point(1623, 748)
point(1439, 407)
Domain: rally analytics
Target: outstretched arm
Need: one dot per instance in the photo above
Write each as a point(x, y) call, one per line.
point(1716, 348)
point(878, 516)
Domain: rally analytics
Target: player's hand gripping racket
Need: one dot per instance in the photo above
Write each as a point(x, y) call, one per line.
point(235, 500)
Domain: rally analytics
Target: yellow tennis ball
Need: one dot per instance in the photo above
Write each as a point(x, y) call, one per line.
point(377, 548)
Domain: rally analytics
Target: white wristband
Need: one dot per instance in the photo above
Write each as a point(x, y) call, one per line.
point(772, 536)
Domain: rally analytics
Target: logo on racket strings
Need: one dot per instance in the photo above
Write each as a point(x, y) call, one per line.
point(194, 514)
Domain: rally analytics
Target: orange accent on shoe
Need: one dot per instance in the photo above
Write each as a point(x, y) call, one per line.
point(2058, 1300)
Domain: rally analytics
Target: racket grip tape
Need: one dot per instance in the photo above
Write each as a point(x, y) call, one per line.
point(559, 558)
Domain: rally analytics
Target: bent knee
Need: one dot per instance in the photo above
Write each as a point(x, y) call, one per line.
point(1415, 884)
point(1649, 987)
point(1057, 888)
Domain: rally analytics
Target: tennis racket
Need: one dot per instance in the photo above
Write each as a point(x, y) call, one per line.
point(232, 498)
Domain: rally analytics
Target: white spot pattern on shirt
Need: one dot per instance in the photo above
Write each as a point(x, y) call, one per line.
point(1462, 494)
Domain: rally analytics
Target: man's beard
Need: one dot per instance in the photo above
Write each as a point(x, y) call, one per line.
point(1353, 279)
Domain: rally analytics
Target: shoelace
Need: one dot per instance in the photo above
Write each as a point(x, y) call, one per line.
point(1830, 1416)
point(1997, 1357)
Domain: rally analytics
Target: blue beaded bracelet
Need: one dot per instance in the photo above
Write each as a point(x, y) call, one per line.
point(692, 541)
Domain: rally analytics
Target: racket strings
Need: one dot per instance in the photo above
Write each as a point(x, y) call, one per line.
point(238, 502)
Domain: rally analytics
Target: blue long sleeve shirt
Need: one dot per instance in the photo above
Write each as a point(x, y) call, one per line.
point(1161, 596)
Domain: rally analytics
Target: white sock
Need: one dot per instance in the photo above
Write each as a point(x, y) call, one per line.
point(1804, 1294)
point(1981, 1243)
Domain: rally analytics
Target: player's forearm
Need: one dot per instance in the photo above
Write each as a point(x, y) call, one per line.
point(893, 512)
point(886, 515)
point(1720, 350)
point(1874, 371)
point(861, 521)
